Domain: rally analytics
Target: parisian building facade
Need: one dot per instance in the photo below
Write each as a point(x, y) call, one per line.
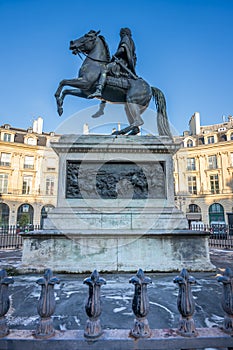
point(203, 172)
point(28, 174)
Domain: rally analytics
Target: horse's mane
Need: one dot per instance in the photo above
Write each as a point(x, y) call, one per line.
point(106, 47)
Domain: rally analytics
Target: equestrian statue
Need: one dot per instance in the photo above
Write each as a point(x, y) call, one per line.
point(113, 79)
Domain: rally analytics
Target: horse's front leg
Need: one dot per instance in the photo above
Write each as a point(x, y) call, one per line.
point(73, 92)
point(78, 83)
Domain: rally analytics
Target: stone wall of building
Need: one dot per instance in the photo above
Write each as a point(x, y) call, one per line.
point(28, 174)
point(203, 173)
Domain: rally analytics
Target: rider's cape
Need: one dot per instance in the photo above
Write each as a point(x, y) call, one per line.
point(128, 44)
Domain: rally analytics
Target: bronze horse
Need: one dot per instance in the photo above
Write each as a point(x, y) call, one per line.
point(135, 94)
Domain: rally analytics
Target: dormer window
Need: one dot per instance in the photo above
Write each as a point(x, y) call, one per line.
point(190, 143)
point(210, 139)
point(6, 137)
point(31, 141)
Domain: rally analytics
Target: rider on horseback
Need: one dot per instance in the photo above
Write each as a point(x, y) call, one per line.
point(123, 62)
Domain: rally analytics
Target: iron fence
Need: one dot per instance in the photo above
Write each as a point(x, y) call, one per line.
point(140, 336)
point(220, 235)
point(10, 235)
point(225, 242)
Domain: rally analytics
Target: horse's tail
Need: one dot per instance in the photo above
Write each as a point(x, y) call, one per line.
point(162, 120)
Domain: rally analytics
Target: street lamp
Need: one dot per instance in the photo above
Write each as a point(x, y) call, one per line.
point(180, 201)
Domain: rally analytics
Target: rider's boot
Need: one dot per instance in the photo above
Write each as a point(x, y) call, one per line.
point(100, 85)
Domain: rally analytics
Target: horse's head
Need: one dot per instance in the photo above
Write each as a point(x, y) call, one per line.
point(85, 43)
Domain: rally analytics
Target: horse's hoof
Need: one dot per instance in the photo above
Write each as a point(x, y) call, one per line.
point(134, 131)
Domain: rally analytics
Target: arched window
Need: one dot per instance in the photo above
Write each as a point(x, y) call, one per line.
point(231, 136)
point(25, 215)
point(216, 212)
point(193, 214)
point(4, 214)
point(190, 143)
point(31, 141)
point(44, 213)
point(194, 208)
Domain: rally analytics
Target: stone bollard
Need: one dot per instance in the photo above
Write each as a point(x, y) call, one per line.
point(227, 299)
point(186, 304)
point(4, 301)
point(140, 305)
point(46, 305)
point(93, 308)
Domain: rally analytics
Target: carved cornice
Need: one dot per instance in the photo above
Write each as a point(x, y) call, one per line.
point(107, 144)
point(113, 150)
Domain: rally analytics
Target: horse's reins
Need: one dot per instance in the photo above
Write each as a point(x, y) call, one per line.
point(91, 58)
point(102, 61)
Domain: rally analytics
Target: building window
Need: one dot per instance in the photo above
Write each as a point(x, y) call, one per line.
point(49, 186)
point(214, 184)
point(191, 164)
point(27, 184)
point(189, 143)
point(216, 212)
point(194, 208)
point(51, 164)
point(201, 140)
point(4, 214)
point(222, 137)
point(7, 137)
point(212, 162)
point(5, 159)
point(231, 136)
point(210, 139)
point(31, 141)
point(192, 184)
point(25, 215)
point(44, 213)
point(28, 162)
point(3, 183)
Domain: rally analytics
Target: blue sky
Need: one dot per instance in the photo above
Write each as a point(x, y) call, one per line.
point(184, 47)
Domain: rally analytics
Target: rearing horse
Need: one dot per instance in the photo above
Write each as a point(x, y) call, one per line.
point(135, 94)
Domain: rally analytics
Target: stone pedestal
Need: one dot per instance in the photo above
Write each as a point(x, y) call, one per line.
point(115, 210)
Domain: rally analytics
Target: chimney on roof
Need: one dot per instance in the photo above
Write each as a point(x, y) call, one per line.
point(38, 125)
point(35, 125)
point(194, 124)
point(86, 129)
